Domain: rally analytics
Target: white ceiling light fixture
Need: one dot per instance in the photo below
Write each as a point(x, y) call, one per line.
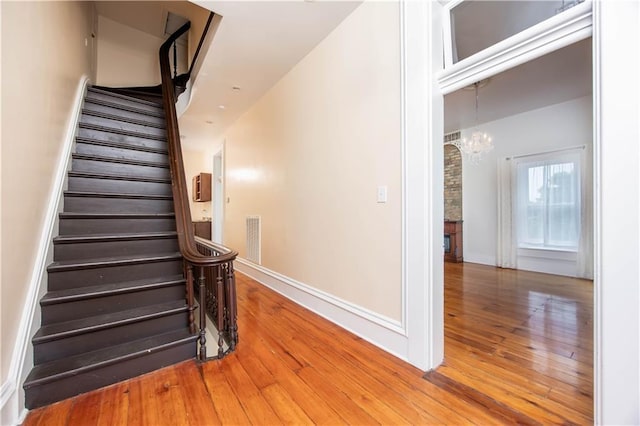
point(476, 146)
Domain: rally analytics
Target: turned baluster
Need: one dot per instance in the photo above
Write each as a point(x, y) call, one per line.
point(220, 301)
point(190, 301)
point(203, 316)
point(232, 306)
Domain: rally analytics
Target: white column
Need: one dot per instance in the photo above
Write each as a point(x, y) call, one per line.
point(617, 213)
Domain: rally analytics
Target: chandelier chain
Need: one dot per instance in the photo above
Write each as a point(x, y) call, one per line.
point(479, 143)
point(476, 119)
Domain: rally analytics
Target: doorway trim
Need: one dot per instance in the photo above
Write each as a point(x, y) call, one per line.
point(425, 81)
point(547, 36)
point(422, 115)
point(218, 195)
point(616, 103)
point(616, 290)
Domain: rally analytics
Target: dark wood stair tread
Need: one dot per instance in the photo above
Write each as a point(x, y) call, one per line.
point(120, 160)
point(116, 195)
point(108, 129)
point(122, 119)
point(70, 295)
point(111, 144)
point(74, 215)
point(148, 93)
point(74, 239)
point(92, 223)
point(111, 176)
point(121, 96)
point(62, 330)
point(74, 365)
point(114, 105)
point(110, 261)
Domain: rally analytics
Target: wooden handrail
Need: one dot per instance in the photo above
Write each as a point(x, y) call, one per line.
point(205, 32)
point(212, 246)
point(184, 226)
point(210, 265)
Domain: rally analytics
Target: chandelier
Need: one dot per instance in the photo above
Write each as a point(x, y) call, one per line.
point(476, 146)
point(479, 143)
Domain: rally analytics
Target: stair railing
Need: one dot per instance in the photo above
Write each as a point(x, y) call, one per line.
point(180, 80)
point(175, 59)
point(209, 264)
point(205, 35)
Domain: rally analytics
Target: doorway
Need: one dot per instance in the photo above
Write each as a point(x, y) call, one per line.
point(537, 113)
point(505, 316)
point(615, 30)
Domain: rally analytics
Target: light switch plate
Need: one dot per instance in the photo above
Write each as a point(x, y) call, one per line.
point(382, 194)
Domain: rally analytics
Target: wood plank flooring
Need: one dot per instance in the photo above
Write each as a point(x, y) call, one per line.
point(518, 349)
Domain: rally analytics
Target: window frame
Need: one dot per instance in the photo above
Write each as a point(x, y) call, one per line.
point(545, 37)
point(571, 155)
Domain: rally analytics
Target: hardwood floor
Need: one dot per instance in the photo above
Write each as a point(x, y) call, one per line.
point(523, 339)
point(518, 350)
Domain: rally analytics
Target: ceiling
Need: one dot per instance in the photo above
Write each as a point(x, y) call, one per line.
point(146, 16)
point(273, 36)
point(554, 78)
point(258, 42)
point(557, 77)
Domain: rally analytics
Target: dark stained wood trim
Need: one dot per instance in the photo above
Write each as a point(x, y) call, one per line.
point(184, 227)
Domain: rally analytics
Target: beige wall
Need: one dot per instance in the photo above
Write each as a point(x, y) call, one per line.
point(119, 43)
point(126, 56)
point(43, 59)
point(308, 158)
point(196, 162)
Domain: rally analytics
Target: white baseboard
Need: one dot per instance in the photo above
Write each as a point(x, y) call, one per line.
point(10, 412)
point(480, 258)
point(384, 332)
point(11, 394)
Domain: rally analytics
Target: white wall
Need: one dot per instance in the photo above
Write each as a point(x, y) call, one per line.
point(567, 124)
point(617, 322)
point(44, 57)
point(308, 158)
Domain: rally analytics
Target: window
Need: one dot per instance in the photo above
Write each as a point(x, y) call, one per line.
point(482, 38)
point(502, 19)
point(548, 202)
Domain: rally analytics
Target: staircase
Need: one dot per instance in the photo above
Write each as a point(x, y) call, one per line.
point(115, 306)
